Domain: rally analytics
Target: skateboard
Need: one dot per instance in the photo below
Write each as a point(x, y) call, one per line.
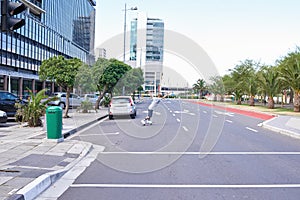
point(146, 122)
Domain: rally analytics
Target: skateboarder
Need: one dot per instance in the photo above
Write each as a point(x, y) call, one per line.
point(154, 103)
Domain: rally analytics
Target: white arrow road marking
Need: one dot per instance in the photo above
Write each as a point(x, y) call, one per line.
point(224, 113)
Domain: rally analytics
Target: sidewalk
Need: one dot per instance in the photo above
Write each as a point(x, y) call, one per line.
point(288, 125)
point(28, 158)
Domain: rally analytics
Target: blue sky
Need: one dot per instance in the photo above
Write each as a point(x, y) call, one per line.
point(229, 31)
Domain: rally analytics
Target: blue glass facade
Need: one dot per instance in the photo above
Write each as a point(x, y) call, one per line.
point(154, 39)
point(53, 27)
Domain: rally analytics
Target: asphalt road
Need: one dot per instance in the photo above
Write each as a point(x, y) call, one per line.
point(190, 152)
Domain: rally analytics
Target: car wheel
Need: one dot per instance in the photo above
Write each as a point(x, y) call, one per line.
point(62, 105)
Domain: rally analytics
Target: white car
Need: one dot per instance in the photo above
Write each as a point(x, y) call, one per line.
point(121, 105)
point(91, 98)
point(3, 117)
point(75, 100)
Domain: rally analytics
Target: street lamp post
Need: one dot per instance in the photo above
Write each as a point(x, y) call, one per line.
point(125, 11)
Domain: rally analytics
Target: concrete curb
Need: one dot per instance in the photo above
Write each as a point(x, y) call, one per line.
point(279, 130)
point(73, 131)
point(36, 187)
point(40, 184)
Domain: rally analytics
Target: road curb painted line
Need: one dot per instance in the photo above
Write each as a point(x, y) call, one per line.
point(279, 130)
point(75, 130)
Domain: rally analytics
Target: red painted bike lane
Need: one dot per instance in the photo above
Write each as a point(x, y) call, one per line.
point(249, 113)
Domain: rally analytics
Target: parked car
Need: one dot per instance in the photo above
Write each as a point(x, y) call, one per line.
point(75, 100)
point(8, 101)
point(121, 106)
point(3, 117)
point(91, 98)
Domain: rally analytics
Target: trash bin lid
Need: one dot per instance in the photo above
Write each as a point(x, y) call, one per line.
point(54, 108)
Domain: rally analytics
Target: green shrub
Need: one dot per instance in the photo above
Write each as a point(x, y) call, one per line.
point(34, 109)
point(85, 106)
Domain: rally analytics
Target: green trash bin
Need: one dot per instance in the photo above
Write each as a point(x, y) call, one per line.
point(54, 122)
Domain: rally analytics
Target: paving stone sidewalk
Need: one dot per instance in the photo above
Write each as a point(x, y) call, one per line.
point(28, 158)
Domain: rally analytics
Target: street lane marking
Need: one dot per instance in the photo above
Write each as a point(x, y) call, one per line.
point(174, 115)
point(204, 111)
point(185, 128)
point(224, 113)
point(205, 153)
point(184, 186)
point(215, 115)
point(178, 120)
point(100, 134)
point(229, 121)
point(251, 129)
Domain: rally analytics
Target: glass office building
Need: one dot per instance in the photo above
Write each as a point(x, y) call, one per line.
point(148, 53)
point(154, 39)
point(53, 27)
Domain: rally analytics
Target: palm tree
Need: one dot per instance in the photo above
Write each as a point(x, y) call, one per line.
point(200, 86)
point(35, 109)
point(268, 79)
point(290, 75)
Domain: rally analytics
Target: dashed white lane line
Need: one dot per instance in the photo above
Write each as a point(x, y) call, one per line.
point(215, 115)
point(178, 120)
point(185, 128)
point(204, 111)
point(183, 186)
point(251, 129)
point(174, 115)
point(229, 121)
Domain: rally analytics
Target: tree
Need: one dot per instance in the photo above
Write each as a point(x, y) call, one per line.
point(268, 79)
point(289, 70)
point(217, 86)
point(199, 87)
point(83, 80)
point(106, 74)
point(130, 82)
point(63, 72)
point(231, 88)
point(244, 76)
